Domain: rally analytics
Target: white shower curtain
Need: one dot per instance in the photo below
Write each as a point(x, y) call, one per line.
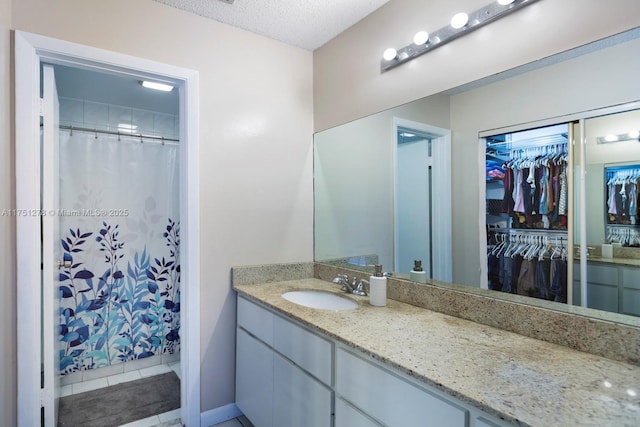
point(119, 224)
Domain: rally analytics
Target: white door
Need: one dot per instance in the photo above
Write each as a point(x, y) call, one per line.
point(413, 199)
point(50, 198)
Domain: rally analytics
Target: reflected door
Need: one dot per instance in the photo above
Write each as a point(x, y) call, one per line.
point(413, 202)
point(607, 234)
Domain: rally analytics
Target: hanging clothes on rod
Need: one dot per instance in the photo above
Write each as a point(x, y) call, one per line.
point(535, 187)
point(528, 264)
point(622, 195)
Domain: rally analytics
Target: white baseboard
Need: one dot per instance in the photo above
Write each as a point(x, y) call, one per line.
point(219, 415)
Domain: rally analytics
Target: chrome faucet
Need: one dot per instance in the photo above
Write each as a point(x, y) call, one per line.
point(355, 287)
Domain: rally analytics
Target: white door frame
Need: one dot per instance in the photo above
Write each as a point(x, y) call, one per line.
point(30, 50)
point(441, 195)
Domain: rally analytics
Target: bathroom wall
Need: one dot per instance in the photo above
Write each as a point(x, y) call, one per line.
point(255, 180)
point(8, 359)
point(348, 83)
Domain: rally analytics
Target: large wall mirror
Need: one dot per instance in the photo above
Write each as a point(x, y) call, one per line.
point(382, 197)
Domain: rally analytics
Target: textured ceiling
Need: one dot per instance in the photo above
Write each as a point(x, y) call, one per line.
point(303, 23)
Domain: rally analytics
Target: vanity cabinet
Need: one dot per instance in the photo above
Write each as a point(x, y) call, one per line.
point(283, 372)
point(287, 375)
point(610, 287)
point(602, 286)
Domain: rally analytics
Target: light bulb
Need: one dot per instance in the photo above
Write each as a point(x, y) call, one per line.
point(634, 134)
point(389, 54)
point(505, 2)
point(611, 138)
point(459, 20)
point(421, 38)
point(157, 86)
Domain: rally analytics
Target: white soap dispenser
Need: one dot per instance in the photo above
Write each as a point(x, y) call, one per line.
point(418, 274)
point(378, 288)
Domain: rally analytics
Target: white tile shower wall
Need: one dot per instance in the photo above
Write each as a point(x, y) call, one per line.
point(97, 115)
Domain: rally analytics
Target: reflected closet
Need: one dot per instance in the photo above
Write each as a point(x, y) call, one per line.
point(527, 207)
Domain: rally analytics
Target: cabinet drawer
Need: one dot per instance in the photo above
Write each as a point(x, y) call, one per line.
point(598, 273)
point(256, 320)
point(391, 399)
point(604, 274)
point(631, 277)
point(307, 350)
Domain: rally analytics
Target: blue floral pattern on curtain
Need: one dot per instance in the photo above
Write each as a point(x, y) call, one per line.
point(120, 313)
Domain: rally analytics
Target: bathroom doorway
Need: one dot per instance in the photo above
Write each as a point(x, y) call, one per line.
point(111, 215)
point(422, 199)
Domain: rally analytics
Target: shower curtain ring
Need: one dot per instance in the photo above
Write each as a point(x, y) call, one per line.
point(96, 133)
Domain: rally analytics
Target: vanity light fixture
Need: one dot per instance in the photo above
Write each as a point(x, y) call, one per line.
point(461, 24)
point(629, 136)
point(157, 86)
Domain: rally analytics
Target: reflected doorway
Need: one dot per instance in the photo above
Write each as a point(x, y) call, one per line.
point(421, 234)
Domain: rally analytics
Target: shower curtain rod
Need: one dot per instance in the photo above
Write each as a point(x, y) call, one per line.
point(110, 132)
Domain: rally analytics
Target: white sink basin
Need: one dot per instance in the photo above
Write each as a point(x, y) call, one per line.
point(321, 300)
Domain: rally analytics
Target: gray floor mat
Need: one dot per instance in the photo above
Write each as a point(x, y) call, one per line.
point(121, 403)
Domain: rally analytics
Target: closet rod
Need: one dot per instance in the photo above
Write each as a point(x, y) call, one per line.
point(543, 141)
point(530, 231)
point(110, 132)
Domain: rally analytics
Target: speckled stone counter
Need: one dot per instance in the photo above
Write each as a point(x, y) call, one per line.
point(615, 260)
point(522, 380)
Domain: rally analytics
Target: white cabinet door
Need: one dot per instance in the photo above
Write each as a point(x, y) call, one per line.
point(348, 416)
point(254, 379)
point(298, 399)
point(307, 350)
point(391, 399)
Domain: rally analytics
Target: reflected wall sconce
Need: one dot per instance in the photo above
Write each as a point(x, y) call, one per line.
point(633, 135)
point(461, 24)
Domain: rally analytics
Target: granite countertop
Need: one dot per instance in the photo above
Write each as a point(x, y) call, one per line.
point(522, 380)
point(615, 260)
